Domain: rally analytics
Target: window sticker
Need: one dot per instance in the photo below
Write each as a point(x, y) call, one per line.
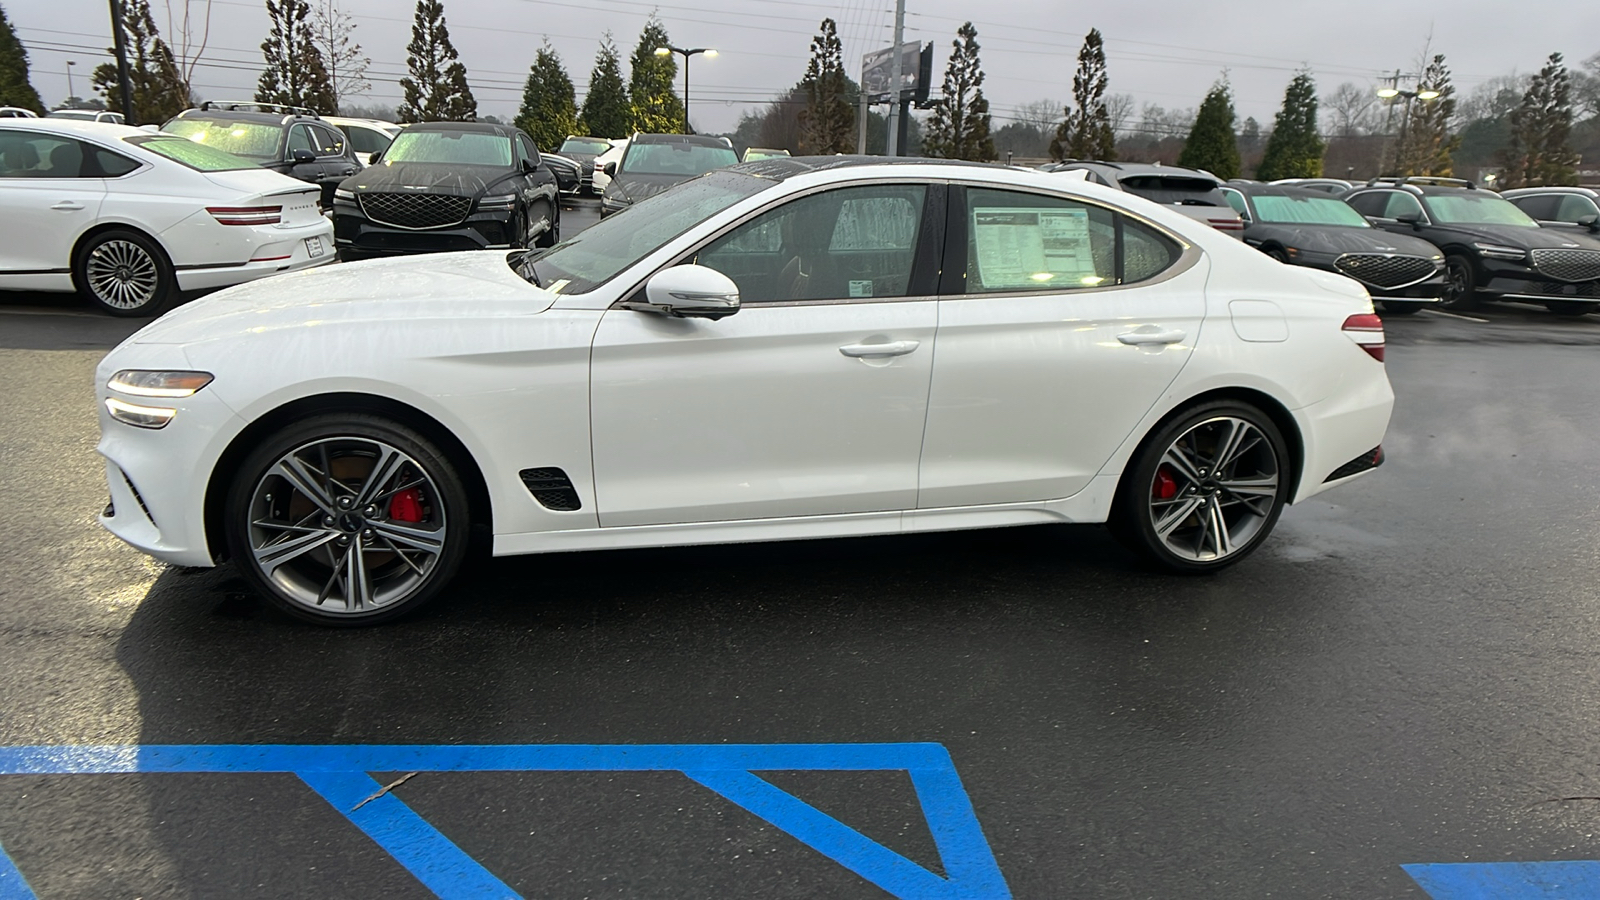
point(861, 288)
point(1021, 247)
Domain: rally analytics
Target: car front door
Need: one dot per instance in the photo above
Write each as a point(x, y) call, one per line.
point(1063, 327)
point(809, 401)
point(46, 201)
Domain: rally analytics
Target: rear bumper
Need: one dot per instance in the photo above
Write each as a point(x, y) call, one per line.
point(1343, 431)
point(273, 251)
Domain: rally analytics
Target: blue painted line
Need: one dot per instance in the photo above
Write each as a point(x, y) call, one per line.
point(337, 772)
point(433, 858)
point(1565, 880)
point(12, 885)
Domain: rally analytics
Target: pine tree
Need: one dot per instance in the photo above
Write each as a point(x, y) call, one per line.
point(1085, 132)
point(436, 90)
point(1212, 145)
point(1428, 145)
point(549, 107)
point(959, 128)
point(296, 74)
point(333, 29)
point(1295, 149)
point(827, 124)
point(158, 90)
point(656, 109)
point(15, 89)
point(606, 110)
point(1540, 151)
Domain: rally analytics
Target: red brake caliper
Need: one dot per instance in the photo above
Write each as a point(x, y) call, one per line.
point(406, 506)
point(1165, 486)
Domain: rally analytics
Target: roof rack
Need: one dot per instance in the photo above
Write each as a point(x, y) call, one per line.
point(1434, 180)
point(234, 105)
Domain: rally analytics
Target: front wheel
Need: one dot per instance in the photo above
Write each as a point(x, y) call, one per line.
point(1461, 283)
point(347, 519)
point(1205, 489)
point(552, 233)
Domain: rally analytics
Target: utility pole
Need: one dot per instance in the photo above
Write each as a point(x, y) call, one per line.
point(125, 86)
point(895, 112)
point(861, 118)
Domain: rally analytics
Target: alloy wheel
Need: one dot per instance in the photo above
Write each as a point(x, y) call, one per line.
point(122, 274)
point(1214, 489)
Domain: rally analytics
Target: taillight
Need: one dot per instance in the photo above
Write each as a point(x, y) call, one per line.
point(1366, 329)
point(246, 215)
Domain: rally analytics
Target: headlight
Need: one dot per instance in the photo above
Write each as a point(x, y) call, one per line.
point(139, 416)
point(497, 201)
point(143, 383)
point(342, 194)
point(1496, 251)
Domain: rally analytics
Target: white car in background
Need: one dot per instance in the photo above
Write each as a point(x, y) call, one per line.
point(103, 116)
point(619, 146)
point(17, 112)
point(128, 218)
point(368, 137)
point(745, 358)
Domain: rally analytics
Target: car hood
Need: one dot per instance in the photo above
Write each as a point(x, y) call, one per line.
point(628, 187)
point(432, 178)
point(1339, 239)
point(441, 285)
point(1522, 238)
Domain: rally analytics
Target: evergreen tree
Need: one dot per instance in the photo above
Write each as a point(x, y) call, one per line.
point(296, 74)
point(1295, 149)
point(656, 109)
point(158, 90)
point(827, 124)
point(959, 128)
point(1212, 145)
point(436, 90)
point(1428, 145)
point(1540, 151)
point(1085, 132)
point(606, 110)
point(15, 89)
point(549, 107)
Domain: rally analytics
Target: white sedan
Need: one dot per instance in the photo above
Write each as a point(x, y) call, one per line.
point(128, 218)
point(833, 347)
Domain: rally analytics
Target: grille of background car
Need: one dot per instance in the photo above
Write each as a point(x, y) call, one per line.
point(1386, 271)
point(415, 210)
point(1568, 265)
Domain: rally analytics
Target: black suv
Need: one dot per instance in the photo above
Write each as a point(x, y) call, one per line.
point(1572, 208)
point(449, 186)
point(287, 139)
point(1491, 248)
point(655, 162)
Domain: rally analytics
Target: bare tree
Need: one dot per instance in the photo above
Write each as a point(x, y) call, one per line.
point(1352, 109)
point(1119, 110)
point(189, 31)
point(1495, 98)
point(333, 31)
point(1041, 115)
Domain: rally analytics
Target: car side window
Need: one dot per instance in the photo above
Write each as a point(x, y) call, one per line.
point(1574, 208)
point(366, 140)
point(1401, 204)
point(299, 139)
point(1028, 242)
point(1145, 252)
point(1370, 204)
point(26, 154)
point(330, 141)
point(112, 165)
point(526, 149)
point(854, 243)
point(1236, 200)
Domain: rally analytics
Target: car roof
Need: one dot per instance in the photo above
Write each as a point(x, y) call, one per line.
point(1122, 170)
point(1256, 189)
point(1552, 189)
point(699, 140)
point(469, 127)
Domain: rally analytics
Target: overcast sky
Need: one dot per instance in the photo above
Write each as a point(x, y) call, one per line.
point(1166, 52)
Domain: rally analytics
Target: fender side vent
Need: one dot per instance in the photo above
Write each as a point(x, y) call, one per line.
point(1370, 460)
point(552, 488)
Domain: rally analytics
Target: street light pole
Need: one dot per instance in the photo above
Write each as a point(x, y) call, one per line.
point(685, 53)
point(71, 94)
point(124, 83)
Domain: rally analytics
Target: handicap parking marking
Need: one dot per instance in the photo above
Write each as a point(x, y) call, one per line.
point(339, 774)
point(1567, 880)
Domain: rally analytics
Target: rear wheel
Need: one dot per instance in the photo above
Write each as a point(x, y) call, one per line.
point(347, 519)
point(1205, 490)
point(552, 234)
point(124, 273)
point(1460, 283)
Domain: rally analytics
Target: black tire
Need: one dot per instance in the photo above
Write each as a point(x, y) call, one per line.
point(1571, 308)
point(1400, 307)
point(402, 561)
point(1278, 254)
point(124, 273)
point(1461, 283)
point(551, 235)
point(1262, 466)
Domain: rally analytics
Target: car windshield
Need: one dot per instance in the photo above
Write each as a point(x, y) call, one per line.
point(1174, 189)
point(252, 140)
point(1307, 211)
point(1476, 209)
point(685, 160)
point(462, 148)
point(200, 157)
point(583, 145)
point(598, 253)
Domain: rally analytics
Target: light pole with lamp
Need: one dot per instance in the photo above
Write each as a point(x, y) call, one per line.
point(685, 53)
point(71, 94)
point(1390, 94)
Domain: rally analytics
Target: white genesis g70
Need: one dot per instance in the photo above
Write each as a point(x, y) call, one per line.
point(786, 349)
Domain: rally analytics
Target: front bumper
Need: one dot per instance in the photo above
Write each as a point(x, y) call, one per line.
point(354, 233)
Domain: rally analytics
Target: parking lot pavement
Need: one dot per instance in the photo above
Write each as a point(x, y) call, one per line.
point(1403, 676)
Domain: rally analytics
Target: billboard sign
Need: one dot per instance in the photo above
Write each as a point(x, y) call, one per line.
point(877, 70)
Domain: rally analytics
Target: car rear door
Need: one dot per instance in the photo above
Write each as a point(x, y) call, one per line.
point(1064, 326)
point(47, 199)
point(809, 401)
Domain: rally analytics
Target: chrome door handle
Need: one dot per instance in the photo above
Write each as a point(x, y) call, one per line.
point(879, 351)
point(1137, 338)
point(68, 205)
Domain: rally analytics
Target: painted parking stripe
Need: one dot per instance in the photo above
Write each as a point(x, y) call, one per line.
point(12, 885)
point(1568, 880)
point(339, 775)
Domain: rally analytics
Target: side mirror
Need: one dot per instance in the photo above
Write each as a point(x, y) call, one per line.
point(529, 167)
point(689, 292)
point(375, 158)
point(1590, 222)
point(1412, 219)
point(610, 170)
point(302, 156)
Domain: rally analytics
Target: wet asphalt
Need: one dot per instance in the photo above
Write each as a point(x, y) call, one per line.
point(1405, 673)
